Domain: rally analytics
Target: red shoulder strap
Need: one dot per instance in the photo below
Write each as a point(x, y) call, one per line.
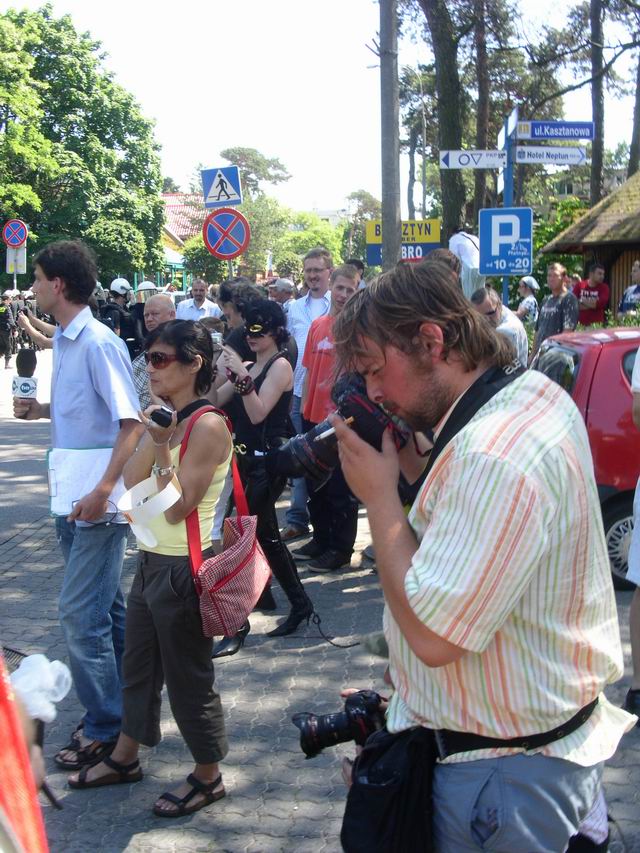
point(192, 521)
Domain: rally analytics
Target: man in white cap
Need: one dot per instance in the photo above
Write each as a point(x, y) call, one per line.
point(528, 308)
point(281, 291)
point(199, 306)
point(120, 319)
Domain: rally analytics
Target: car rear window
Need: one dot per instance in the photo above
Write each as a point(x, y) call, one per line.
point(559, 363)
point(627, 364)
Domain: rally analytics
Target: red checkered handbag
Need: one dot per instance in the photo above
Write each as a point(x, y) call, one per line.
point(229, 584)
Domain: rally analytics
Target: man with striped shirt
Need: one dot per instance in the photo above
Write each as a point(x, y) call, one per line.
point(500, 615)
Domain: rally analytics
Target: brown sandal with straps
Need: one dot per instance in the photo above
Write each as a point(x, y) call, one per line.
point(181, 803)
point(85, 756)
point(122, 774)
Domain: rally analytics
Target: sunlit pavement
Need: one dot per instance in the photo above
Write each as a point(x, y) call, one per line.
point(277, 800)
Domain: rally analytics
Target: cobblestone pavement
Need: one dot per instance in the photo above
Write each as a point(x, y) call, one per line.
point(277, 800)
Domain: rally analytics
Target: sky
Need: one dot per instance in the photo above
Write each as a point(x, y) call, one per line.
point(294, 79)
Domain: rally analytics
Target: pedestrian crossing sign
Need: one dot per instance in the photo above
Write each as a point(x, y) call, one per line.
point(221, 187)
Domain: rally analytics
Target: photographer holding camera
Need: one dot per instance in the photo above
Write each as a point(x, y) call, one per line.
point(500, 614)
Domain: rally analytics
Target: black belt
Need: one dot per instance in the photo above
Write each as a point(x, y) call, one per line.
point(449, 742)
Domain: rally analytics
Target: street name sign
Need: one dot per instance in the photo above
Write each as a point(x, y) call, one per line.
point(555, 130)
point(418, 237)
point(559, 156)
point(15, 233)
point(506, 241)
point(221, 187)
point(226, 233)
point(473, 159)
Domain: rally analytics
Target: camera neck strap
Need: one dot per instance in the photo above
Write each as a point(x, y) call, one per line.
point(474, 398)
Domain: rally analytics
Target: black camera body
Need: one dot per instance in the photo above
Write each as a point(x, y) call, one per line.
point(309, 455)
point(162, 416)
point(362, 716)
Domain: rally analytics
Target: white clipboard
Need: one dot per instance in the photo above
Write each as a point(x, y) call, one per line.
point(73, 473)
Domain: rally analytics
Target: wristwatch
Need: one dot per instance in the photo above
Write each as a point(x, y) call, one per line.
point(162, 472)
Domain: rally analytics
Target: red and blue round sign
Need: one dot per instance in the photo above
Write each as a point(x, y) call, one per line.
point(226, 233)
point(15, 233)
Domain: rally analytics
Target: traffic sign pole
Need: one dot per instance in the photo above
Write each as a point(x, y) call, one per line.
point(507, 197)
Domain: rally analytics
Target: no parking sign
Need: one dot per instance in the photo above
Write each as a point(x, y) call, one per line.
point(226, 233)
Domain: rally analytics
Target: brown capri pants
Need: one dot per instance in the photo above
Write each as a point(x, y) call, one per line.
point(164, 643)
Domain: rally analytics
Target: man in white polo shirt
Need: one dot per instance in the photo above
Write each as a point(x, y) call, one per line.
point(317, 266)
point(199, 306)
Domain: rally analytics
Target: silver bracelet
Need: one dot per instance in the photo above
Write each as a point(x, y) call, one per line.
point(157, 471)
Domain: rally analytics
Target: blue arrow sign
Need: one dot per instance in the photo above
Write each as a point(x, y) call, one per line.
point(506, 241)
point(221, 187)
point(555, 130)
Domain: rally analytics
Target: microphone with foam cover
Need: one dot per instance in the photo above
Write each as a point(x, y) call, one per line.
point(24, 385)
point(26, 362)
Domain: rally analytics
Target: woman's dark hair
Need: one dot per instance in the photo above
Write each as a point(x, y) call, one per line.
point(269, 315)
point(189, 339)
point(240, 295)
point(74, 263)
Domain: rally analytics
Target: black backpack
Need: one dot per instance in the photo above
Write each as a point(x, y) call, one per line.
point(111, 315)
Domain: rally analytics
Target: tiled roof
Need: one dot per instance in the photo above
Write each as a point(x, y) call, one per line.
point(184, 212)
point(615, 219)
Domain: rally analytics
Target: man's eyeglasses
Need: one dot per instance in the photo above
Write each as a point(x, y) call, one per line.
point(159, 360)
point(314, 270)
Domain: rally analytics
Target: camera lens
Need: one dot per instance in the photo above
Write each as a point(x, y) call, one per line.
point(318, 732)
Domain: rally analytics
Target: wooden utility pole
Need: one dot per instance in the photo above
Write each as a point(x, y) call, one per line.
point(390, 117)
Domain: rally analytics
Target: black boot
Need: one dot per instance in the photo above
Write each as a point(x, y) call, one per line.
point(266, 600)
point(301, 608)
point(230, 645)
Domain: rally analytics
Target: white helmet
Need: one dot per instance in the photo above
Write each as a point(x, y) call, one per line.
point(120, 286)
point(147, 285)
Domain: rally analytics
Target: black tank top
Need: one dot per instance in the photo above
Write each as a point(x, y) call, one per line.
point(273, 429)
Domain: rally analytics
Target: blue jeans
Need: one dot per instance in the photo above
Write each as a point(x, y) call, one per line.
point(92, 612)
point(297, 514)
point(513, 804)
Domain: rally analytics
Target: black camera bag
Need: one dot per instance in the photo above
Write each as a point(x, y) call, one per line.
point(389, 803)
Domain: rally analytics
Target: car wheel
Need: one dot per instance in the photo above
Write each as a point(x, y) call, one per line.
point(618, 526)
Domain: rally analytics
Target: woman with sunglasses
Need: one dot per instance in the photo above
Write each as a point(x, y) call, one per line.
point(257, 398)
point(163, 635)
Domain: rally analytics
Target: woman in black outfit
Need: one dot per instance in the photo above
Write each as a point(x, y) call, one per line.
point(257, 398)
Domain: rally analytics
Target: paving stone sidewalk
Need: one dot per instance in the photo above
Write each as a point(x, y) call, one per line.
point(277, 800)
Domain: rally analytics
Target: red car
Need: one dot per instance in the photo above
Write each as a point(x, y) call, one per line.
point(595, 368)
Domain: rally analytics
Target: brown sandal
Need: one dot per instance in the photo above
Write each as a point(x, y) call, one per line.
point(85, 756)
point(122, 774)
point(197, 787)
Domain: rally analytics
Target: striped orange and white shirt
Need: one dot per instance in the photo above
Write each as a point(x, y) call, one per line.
point(512, 566)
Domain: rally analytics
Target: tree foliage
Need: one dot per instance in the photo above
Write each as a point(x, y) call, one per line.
point(77, 157)
point(308, 231)
point(199, 261)
point(255, 168)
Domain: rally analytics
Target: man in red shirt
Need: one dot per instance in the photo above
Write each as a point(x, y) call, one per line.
point(593, 296)
point(332, 507)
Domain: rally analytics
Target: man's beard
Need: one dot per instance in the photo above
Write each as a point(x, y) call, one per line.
point(428, 411)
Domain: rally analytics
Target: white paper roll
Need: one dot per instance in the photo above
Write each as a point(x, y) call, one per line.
point(144, 502)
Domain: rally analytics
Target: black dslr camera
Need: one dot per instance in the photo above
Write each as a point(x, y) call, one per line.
point(313, 456)
point(361, 717)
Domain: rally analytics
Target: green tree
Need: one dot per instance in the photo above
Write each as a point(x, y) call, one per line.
point(363, 207)
point(76, 153)
point(255, 168)
point(307, 232)
point(268, 220)
point(199, 261)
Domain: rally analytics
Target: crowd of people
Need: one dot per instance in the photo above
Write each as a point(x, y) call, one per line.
point(501, 642)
